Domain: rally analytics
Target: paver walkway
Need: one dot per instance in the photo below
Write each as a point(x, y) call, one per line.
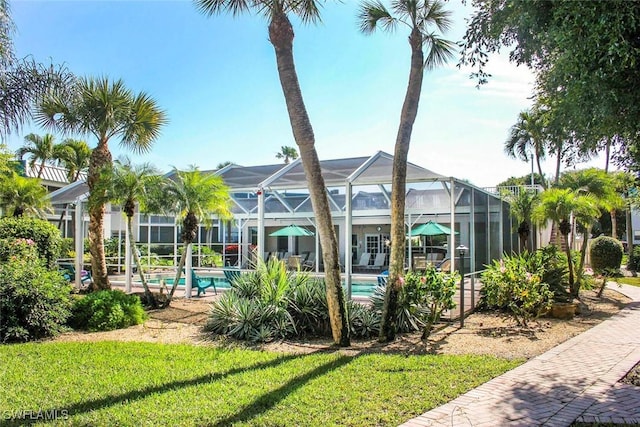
point(577, 380)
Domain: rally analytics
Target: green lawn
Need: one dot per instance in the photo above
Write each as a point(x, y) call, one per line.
point(633, 281)
point(131, 384)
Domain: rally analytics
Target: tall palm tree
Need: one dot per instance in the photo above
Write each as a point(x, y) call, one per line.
point(41, 149)
point(128, 185)
point(281, 37)
point(526, 138)
point(419, 17)
point(194, 196)
point(287, 153)
point(521, 205)
point(106, 110)
point(21, 195)
point(74, 156)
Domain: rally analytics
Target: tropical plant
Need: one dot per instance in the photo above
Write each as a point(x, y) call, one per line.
point(74, 156)
point(287, 153)
point(521, 204)
point(40, 149)
point(21, 195)
point(597, 191)
point(105, 109)
point(419, 17)
point(258, 306)
point(440, 289)
point(126, 185)
point(509, 283)
point(34, 300)
point(606, 256)
point(557, 205)
point(193, 196)
point(281, 37)
point(527, 138)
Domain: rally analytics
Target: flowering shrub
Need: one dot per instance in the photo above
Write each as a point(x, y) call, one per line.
point(46, 236)
point(508, 283)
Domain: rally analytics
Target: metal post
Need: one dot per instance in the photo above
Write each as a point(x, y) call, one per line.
point(461, 251)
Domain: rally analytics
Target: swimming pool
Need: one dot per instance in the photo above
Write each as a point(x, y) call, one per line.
point(363, 289)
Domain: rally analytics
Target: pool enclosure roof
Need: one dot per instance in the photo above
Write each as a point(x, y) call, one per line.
point(356, 171)
point(376, 169)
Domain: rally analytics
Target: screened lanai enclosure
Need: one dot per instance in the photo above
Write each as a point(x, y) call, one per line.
point(269, 198)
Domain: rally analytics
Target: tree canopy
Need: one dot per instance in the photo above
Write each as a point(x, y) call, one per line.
point(585, 56)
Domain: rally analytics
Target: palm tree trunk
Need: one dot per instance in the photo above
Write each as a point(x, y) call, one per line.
point(572, 283)
point(183, 258)
point(583, 255)
point(132, 244)
point(542, 180)
point(614, 224)
point(388, 326)
point(281, 37)
point(558, 164)
point(100, 158)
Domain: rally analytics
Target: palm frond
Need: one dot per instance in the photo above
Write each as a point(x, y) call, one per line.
point(434, 13)
point(216, 7)
point(373, 14)
point(440, 51)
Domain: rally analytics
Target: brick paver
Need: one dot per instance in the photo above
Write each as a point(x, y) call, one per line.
point(577, 380)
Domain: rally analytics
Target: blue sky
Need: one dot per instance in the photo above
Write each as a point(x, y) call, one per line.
point(217, 80)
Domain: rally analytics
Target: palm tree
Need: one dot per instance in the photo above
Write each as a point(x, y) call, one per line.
point(287, 153)
point(40, 148)
point(21, 195)
point(418, 16)
point(74, 156)
point(194, 196)
point(105, 110)
point(527, 138)
point(281, 37)
point(521, 204)
point(557, 204)
point(127, 185)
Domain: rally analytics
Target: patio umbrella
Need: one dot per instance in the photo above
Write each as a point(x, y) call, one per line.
point(431, 229)
point(292, 230)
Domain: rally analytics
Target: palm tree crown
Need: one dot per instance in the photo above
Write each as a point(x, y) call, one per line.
point(74, 156)
point(21, 195)
point(40, 148)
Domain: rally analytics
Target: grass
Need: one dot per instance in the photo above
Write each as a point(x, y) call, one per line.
point(130, 384)
point(633, 281)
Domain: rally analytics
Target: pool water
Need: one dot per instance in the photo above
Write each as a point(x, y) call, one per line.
point(357, 289)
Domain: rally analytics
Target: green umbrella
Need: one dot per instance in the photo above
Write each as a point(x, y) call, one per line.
point(292, 230)
point(431, 229)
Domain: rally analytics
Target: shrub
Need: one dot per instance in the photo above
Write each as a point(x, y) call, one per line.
point(551, 264)
point(45, 235)
point(34, 301)
point(363, 321)
point(439, 289)
point(606, 253)
point(107, 310)
point(508, 283)
point(634, 261)
point(606, 256)
point(257, 306)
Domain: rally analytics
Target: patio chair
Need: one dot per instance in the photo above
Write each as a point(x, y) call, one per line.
point(379, 261)
point(383, 278)
point(294, 262)
point(309, 264)
point(202, 283)
point(364, 261)
point(231, 274)
point(444, 265)
point(69, 273)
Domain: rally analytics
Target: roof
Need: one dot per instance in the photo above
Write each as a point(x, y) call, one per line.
point(50, 173)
